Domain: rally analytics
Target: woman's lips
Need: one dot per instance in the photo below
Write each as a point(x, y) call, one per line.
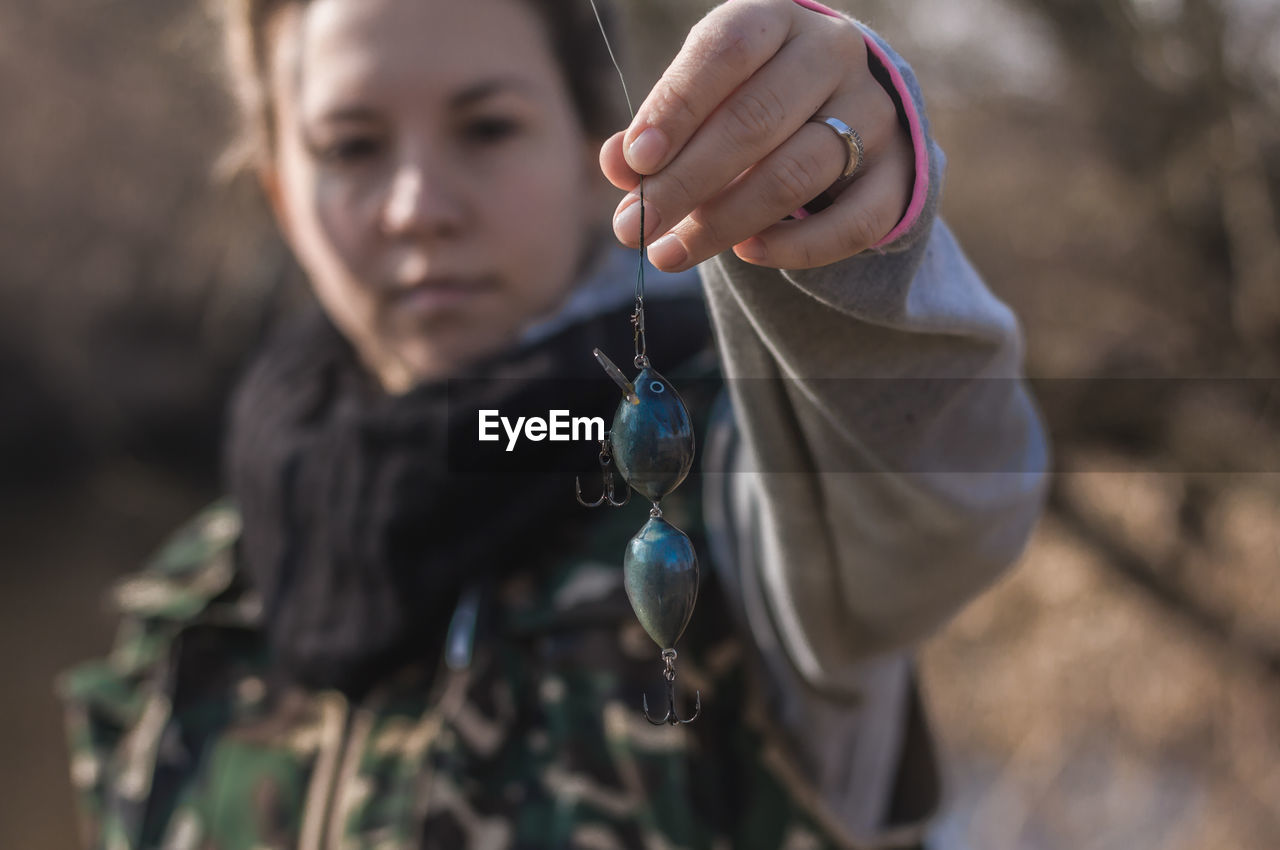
point(438, 295)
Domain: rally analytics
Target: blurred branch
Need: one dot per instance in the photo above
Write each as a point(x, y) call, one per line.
point(1150, 578)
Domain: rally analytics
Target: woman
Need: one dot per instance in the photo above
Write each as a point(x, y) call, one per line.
point(376, 647)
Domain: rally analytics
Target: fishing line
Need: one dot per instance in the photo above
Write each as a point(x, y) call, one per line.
point(637, 317)
point(607, 46)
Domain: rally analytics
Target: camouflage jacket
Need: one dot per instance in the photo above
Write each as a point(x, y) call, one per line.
point(528, 735)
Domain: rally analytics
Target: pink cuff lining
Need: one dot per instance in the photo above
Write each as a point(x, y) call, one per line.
point(818, 7)
point(921, 189)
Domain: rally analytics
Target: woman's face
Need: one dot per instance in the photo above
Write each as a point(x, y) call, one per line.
point(430, 174)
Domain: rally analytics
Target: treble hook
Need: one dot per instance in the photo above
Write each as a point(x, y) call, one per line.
point(669, 657)
point(607, 494)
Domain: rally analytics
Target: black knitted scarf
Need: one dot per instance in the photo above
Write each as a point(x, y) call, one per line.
point(365, 514)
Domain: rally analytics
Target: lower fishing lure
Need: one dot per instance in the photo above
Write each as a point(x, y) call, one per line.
point(651, 441)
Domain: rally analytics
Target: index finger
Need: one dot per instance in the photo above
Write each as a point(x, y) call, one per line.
point(722, 51)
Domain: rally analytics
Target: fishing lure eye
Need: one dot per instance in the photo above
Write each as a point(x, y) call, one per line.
point(657, 387)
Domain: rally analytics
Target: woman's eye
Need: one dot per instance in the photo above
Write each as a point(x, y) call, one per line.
point(487, 131)
point(352, 150)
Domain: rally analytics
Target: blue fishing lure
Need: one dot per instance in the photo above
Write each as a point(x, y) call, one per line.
point(651, 441)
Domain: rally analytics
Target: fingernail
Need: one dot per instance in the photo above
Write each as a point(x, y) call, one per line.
point(752, 250)
point(626, 221)
point(647, 151)
point(668, 252)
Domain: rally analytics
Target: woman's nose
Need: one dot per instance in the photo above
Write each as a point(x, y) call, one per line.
point(421, 202)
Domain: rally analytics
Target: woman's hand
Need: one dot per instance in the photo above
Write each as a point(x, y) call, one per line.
point(728, 151)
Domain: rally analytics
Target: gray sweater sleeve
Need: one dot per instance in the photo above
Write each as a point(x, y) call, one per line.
point(889, 462)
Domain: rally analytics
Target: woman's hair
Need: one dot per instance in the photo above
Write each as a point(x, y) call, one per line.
point(571, 29)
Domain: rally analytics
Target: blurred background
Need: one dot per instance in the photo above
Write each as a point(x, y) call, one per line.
point(1114, 173)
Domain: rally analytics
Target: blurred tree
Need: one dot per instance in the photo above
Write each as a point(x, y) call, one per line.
point(1185, 96)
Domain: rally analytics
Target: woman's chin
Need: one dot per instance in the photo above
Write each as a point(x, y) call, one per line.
point(419, 363)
